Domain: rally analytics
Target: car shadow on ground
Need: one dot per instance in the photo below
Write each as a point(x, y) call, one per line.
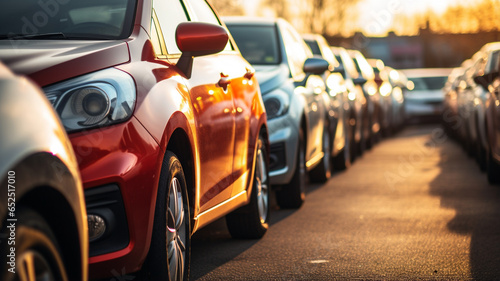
point(477, 207)
point(213, 246)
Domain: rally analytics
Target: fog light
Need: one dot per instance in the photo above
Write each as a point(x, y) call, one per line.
point(97, 227)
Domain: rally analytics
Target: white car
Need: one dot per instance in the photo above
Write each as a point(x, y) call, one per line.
point(424, 98)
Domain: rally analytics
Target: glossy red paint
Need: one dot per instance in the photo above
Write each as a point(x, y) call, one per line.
point(53, 61)
point(213, 129)
point(200, 38)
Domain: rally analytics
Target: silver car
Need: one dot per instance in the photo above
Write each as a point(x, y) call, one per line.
point(424, 100)
point(296, 103)
point(42, 206)
point(340, 111)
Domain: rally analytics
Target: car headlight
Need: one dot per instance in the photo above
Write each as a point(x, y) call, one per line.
point(93, 100)
point(276, 103)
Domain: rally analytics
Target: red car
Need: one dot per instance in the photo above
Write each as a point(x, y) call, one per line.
point(165, 117)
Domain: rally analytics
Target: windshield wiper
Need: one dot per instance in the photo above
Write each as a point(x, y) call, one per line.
point(52, 35)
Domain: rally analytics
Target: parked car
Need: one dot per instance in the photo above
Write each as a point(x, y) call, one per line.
point(451, 119)
point(357, 100)
point(424, 100)
point(372, 126)
point(471, 103)
point(340, 111)
point(490, 80)
point(43, 222)
point(166, 120)
point(399, 85)
point(296, 103)
point(383, 97)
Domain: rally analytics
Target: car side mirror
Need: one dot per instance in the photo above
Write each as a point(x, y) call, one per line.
point(359, 81)
point(196, 39)
point(315, 66)
point(486, 79)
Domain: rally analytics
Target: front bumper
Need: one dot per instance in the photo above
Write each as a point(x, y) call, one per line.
point(283, 137)
point(127, 157)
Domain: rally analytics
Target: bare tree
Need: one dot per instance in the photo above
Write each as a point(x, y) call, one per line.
point(330, 17)
point(228, 7)
point(280, 7)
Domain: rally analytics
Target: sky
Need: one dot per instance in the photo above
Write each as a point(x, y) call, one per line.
point(375, 16)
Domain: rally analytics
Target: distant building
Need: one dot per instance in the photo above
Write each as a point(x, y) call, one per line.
point(427, 49)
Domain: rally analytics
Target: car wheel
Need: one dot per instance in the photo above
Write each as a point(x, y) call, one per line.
point(343, 160)
point(323, 171)
point(293, 194)
point(37, 253)
point(252, 221)
point(169, 255)
point(492, 170)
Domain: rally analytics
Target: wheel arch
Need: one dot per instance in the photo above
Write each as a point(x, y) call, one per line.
point(180, 144)
point(51, 191)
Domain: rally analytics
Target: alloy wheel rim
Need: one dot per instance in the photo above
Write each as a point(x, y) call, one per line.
point(176, 231)
point(262, 185)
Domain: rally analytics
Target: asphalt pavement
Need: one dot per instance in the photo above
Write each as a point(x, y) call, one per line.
point(414, 207)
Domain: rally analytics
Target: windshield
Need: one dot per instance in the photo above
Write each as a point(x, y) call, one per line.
point(258, 44)
point(428, 83)
point(89, 19)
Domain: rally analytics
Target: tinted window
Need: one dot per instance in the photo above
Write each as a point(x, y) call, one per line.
point(170, 14)
point(90, 19)
point(428, 83)
point(262, 51)
point(314, 46)
point(296, 49)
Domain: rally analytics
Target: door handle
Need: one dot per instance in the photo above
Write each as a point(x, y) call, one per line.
point(224, 81)
point(249, 73)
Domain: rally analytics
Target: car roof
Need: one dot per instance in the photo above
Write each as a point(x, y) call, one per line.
point(250, 20)
point(427, 72)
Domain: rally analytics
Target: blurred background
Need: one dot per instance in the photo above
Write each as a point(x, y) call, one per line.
point(403, 33)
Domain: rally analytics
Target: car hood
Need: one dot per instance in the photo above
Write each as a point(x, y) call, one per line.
point(50, 61)
point(271, 76)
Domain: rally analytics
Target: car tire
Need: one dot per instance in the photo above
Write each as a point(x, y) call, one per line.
point(169, 254)
point(252, 221)
point(492, 170)
point(323, 171)
point(343, 159)
point(293, 194)
point(36, 250)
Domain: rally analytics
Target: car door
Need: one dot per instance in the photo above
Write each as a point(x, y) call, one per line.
point(238, 73)
point(213, 106)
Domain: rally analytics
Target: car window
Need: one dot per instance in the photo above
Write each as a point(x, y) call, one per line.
point(493, 62)
point(296, 50)
point(204, 13)
point(349, 66)
point(90, 19)
point(262, 51)
point(170, 14)
point(313, 44)
point(428, 83)
point(155, 36)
